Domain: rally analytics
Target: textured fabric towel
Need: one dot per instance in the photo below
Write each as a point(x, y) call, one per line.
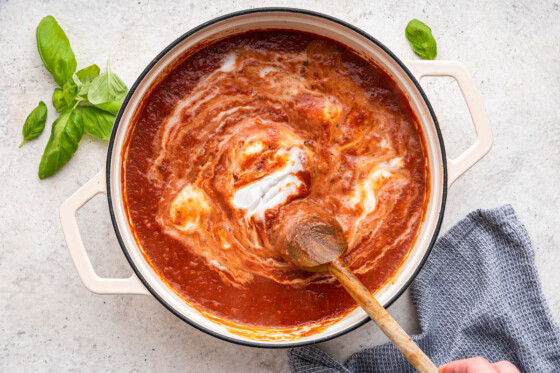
point(477, 295)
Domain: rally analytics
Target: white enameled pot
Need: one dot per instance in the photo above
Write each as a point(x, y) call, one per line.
point(443, 171)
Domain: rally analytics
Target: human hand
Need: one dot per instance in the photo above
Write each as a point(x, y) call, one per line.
point(478, 365)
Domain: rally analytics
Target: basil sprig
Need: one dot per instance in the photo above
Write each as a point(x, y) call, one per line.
point(421, 39)
point(35, 123)
point(88, 100)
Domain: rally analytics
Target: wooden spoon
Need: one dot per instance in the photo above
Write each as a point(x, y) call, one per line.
point(313, 240)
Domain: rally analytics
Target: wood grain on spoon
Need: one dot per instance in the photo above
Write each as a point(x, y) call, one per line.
point(313, 240)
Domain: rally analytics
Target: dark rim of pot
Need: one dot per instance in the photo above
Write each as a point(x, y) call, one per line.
point(159, 57)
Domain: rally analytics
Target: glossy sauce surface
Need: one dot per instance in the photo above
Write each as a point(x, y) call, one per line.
point(244, 127)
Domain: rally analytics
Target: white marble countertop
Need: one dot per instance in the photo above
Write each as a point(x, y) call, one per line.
point(50, 322)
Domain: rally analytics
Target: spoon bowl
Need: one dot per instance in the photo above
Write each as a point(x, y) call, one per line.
point(309, 237)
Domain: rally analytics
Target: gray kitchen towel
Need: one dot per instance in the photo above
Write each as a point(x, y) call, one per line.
point(478, 295)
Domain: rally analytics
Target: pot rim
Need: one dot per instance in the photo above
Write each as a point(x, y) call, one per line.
point(256, 343)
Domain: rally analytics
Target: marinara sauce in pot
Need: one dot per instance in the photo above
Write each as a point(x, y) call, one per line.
point(247, 125)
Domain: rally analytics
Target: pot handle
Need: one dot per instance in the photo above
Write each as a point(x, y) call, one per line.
point(484, 140)
point(91, 280)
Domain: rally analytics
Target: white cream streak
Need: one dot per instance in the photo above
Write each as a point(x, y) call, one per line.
point(272, 190)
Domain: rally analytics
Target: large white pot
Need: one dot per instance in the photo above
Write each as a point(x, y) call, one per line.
point(443, 171)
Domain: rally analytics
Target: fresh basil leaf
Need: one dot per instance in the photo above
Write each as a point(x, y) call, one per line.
point(86, 76)
point(421, 39)
point(88, 73)
point(111, 107)
point(71, 89)
point(55, 51)
point(66, 133)
point(97, 122)
point(69, 94)
point(58, 100)
point(35, 123)
point(107, 91)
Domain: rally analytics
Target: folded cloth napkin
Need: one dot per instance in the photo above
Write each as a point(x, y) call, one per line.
point(477, 295)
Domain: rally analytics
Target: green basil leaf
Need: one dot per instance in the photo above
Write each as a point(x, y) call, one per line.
point(66, 133)
point(35, 123)
point(86, 76)
point(421, 39)
point(88, 73)
point(97, 122)
point(71, 89)
point(107, 91)
point(111, 107)
point(59, 102)
point(55, 51)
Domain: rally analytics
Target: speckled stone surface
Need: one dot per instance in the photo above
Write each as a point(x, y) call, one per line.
point(50, 322)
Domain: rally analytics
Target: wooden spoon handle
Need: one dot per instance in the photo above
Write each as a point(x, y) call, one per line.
point(382, 318)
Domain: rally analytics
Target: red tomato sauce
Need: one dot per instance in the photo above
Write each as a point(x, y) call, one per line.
point(290, 111)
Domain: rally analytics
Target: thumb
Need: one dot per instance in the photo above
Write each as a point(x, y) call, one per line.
point(472, 365)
